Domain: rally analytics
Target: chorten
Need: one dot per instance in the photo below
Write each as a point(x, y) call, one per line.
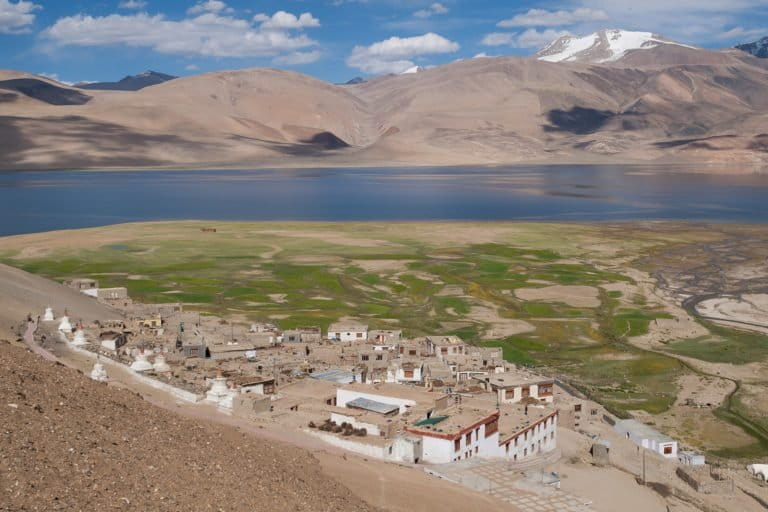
point(64, 325)
point(98, 373)
point(48, 315)
point(79, 339)
point(160, 365)
point(141, 364)
point(219, 389)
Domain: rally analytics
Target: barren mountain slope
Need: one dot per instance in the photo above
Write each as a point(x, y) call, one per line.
point(25, 294)
point(69, 443)
point(217, 118)
point(666, 102)
point(507, 109)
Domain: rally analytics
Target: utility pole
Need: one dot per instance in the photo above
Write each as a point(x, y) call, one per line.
point(645, 482)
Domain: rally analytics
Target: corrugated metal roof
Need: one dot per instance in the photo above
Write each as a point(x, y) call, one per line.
point(339, 376)
point(373, 406)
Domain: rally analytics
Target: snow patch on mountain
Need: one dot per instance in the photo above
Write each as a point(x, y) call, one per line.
point(601, 47)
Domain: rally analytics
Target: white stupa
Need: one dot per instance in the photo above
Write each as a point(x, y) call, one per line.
point(48, 315)
point(99, 374)
point(160, 365)
point(219, 389)
point(79, 339)
point(141, 364)
point(226, 402)
point(64, 325)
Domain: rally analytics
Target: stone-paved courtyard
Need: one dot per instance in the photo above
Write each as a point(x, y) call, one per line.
point(508, 483)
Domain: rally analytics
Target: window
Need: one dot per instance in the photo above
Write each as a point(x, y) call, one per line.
point(457, 445)
point(506, 446)
point(525, 452)
point(379, 357)
point(526, 391)
point(365, 357)
point(468, 439)
point(359, 335)
point(443, 350)
point(577, 408)
point(412, 352)
point(492, 427)
point(668, 449)
point(408, 374)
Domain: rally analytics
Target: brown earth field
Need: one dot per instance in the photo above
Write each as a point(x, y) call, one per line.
point(697, 106)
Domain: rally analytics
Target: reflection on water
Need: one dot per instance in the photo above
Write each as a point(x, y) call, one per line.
point(41, 201)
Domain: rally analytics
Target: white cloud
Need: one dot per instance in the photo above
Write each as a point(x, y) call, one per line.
point(210, 35)
point(544, 18)
point(16, 18)
point(530, 38)
point(209, 6)
point(703, 21)
point(481, 55)
point(498, 39)
point(192, 67)
point(298, 58)
point(435, 8)
point(533, 38)
point(742, 34)
point(132, 4)
point(286, 20)
point(394, 55)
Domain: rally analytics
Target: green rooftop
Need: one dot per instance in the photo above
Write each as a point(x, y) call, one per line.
point(434, 420)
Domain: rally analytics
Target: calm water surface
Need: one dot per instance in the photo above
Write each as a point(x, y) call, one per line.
point(33, 201)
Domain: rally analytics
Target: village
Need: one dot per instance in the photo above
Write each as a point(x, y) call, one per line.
point(433, 401)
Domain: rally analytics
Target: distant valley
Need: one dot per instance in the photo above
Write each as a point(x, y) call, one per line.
point(611, 97)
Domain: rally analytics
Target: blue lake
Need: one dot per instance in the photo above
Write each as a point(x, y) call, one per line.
point(32, 201)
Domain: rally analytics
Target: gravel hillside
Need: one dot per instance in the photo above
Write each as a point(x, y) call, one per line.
point(68, 443)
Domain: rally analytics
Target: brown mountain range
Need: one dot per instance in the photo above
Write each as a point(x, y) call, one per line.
point(669, 103)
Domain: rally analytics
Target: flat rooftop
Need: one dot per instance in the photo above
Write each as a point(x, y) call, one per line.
point(404, 392)
point(644, 431)
point(513, 379)
point(456, 419)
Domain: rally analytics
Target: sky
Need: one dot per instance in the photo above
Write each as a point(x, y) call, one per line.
point(334, 40)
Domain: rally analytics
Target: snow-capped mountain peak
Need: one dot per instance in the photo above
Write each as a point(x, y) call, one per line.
point(601, 47)
point(758, 48)
point(412, 70)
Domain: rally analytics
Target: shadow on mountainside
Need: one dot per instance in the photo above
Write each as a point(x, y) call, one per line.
point(578, 120)
point(74, 141)
point(45, 92)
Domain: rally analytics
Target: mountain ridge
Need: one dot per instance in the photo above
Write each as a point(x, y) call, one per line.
point(129, 82)
point(757, 48)
point(668, 102)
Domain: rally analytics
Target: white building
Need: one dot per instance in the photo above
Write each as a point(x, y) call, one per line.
point(509, 433)
point(348, 332)
point(411, 424)
point(405, 372)
point(647, 437)
point(513, 387)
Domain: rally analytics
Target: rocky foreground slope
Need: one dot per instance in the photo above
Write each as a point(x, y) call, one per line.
point(68, 443)
point(620, 98)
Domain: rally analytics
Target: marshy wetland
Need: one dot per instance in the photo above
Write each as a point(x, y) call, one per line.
point(605, 307)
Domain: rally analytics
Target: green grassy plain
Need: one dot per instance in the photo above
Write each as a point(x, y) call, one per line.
point(426, 278)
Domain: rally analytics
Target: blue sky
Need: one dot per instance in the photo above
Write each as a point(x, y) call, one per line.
point(335, 40)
